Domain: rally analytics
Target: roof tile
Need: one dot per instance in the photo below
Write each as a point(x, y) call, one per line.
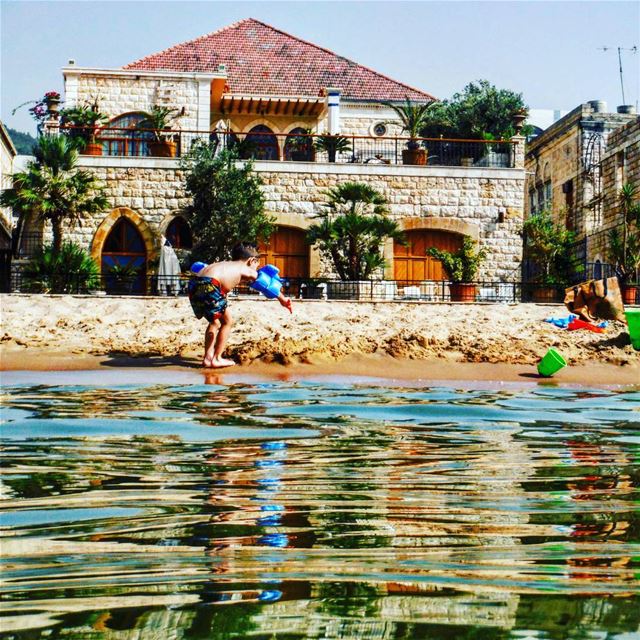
point(262, 60)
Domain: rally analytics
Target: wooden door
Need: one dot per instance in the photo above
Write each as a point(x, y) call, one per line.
point(411, 262)
point(288, 251)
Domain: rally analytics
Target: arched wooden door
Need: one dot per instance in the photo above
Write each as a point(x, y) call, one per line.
point(124, 259)
point(288, 251)
point(411, 262)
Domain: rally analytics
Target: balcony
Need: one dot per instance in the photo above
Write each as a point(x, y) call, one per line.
point(361, 150)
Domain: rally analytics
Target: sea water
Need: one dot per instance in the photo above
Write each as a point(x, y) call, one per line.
point(145, 505)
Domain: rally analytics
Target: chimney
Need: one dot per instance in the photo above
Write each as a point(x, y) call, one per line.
point(598, 106)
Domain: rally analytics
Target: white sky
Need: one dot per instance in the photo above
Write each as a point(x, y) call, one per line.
point(546, 50)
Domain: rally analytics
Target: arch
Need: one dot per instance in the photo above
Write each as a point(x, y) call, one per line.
point(298, 145)
point(177, 231)
point(262, 121)
point(410, 262)
point(122, 138)
point(107, 225)
point(453, 225)
point(123, 262)
point(264, 143)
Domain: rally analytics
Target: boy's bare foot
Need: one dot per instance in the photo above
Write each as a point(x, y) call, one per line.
point(218, 363)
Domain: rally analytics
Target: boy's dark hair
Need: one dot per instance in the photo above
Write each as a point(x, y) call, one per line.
point(244, 251)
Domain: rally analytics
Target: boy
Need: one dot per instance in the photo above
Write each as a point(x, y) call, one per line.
point(208, 296)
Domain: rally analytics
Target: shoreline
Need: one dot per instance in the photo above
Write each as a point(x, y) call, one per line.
point(356, 366)
point(404, 341)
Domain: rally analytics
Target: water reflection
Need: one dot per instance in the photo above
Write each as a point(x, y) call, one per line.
point(319, 511)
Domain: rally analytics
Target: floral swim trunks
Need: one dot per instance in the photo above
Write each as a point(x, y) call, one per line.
point(206, 297)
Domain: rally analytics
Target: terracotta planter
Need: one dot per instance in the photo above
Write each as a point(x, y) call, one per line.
point(629, 293)
point(414, 156)
point(92, 149)
point(462, 292)
point(163, 149)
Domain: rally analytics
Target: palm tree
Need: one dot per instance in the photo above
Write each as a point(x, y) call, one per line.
point(413, 117)
point(53, 188)
point(630, 210)
point(352, 229)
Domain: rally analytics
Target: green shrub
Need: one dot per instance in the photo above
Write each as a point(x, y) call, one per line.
point(71, 270)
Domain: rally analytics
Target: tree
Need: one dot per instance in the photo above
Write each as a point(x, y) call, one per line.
point(625, 250)
point(53, 188)
point(352, 229)
point(479, 109)
point(548, 245)
point(22, 141)
point(227, 203)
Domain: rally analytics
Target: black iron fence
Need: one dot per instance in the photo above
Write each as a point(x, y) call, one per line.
point(303, 147)
point(299, 288)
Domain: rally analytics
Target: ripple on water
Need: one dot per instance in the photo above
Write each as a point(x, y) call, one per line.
point(320, 509)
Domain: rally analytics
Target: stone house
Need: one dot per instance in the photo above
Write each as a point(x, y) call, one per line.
point(568, 173)
point(250, 79)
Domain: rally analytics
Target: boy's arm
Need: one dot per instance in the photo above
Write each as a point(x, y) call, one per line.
point(285, 302)
point(247, 273)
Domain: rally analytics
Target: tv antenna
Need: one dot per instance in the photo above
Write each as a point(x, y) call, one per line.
point(633, 49)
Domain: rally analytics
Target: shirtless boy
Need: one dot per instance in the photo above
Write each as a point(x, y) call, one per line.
point(208, 296)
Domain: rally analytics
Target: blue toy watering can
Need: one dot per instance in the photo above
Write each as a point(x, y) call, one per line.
point(268, 282)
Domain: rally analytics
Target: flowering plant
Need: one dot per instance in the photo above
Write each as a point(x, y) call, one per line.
point(40, 110)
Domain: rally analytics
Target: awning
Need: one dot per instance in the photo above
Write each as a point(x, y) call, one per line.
point(234, 104)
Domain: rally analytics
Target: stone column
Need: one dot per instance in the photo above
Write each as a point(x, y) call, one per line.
point(519, 142)
point(204, 105)
point(333, 107)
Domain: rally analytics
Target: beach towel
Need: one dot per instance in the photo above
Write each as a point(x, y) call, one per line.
point(596, 299)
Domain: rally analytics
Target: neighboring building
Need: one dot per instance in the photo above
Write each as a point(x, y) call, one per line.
point(564, 170)
point(250, 78)
point(541, 119)
point(7, 155)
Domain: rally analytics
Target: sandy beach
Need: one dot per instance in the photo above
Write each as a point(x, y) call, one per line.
point(399, 340)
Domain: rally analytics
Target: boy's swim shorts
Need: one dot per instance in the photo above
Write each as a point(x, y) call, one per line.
point(206, 297)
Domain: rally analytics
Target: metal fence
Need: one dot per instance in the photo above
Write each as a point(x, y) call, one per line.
point(303, 147)
point(299, 288)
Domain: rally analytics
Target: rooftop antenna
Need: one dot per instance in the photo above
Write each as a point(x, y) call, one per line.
point(633, 49)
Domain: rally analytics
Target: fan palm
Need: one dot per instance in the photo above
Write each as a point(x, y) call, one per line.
point(413, 117)
point(53, 188)
point(352, 230)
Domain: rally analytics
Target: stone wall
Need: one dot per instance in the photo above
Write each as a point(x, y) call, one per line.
point(121, 93)
point(486, 204)
point(620, 165)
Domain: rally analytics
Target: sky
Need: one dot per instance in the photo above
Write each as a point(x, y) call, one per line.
point(548, 51)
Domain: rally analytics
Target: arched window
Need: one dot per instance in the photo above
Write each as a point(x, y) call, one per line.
point(124, 259)
point(262, 143)
point(299, 145)
point(178, 234)
point(123, 138)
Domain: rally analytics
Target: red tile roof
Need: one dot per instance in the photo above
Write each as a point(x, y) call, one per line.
point(262, 60)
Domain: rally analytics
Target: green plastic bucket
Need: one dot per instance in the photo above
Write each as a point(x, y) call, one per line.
point(551, 363)
point(633, 322)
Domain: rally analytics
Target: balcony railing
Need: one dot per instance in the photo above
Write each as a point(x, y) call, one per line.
point(440, 152)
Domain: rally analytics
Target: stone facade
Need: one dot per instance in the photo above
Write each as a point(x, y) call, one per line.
point(620, 165)
point(486, 204)
point(7, 155)
point(120, 92)
point(564, 170)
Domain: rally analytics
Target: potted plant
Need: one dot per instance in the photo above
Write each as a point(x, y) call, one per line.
point(121, 278)
point(81, 124)
point(413, 118)
point(624, 249)
point(158, 121)
point(44, 109)
point(332, 144)
point(547, 245)
point(462, 268)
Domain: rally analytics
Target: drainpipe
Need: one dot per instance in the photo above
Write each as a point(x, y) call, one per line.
point(333, 107)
